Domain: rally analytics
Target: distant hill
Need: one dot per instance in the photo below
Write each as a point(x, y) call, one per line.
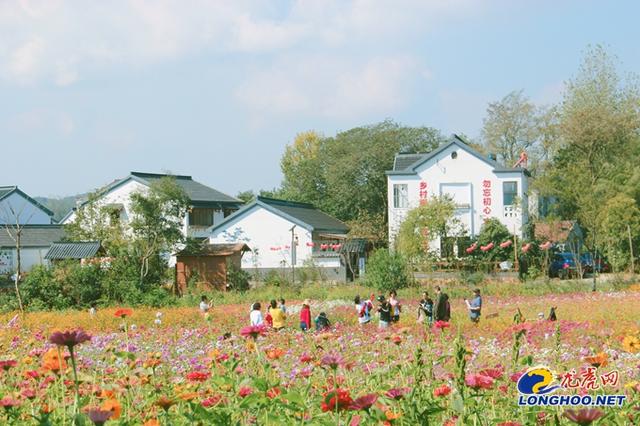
point(60, 206)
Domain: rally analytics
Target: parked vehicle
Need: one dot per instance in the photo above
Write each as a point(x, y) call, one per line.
point(563, 265)
point(601, 265)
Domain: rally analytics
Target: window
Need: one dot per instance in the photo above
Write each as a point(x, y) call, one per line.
point(509, 193)
point(400, 196)
point(201, 217)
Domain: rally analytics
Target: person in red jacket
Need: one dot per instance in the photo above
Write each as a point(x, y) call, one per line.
point(305, 316)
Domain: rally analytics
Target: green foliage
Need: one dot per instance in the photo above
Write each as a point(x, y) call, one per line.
point(237, 279)
point(344, 175)
point(424, 224)
point(41, 291)
point(387, 271)
point(80, 283)
point(493, 231)
point(620, 219)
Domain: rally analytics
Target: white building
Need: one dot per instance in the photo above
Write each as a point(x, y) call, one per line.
point(480, 188)
point(208, 206)
point(272, 227)
point(35, 241)
point(18, 207)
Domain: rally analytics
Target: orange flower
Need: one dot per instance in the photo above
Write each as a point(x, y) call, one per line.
point(52, 361)
point(123, 312)
point(275, 353)
point(151, 422)
point(631, 344)
point(107, 393)
point(600, 360)
point(112, 405)
point(390, 415)
point(188, 396)
point(164, 402)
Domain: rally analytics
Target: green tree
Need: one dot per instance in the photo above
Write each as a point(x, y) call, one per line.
point(157, 224)
point(424, 224)
point(515, 124)
point(387, 271)
point(494, 231)
point(344, 175)
point(620, 229)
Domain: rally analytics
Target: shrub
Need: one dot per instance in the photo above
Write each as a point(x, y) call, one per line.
point(41, 291)
point(237, 279)
point(387, 271)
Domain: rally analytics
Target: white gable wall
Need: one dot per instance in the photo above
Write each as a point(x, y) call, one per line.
point(27, 212)
point(464, 179)
point(263, 230)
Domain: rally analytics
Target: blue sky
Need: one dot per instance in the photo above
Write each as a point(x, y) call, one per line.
point(93, 90)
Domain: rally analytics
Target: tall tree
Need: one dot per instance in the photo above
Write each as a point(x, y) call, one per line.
point(513, 125)
point(599, 127)
point(344, 175)
point(157, 224)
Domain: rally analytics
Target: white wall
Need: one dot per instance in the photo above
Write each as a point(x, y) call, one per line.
point(261, 230)
point(462, 177)
point(28, 213)
point(29, 257)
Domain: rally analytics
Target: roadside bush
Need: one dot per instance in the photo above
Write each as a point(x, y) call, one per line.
point(387, 271)
point(237, 279)
point(80, 283)
point(40, 290)
point(274, 278)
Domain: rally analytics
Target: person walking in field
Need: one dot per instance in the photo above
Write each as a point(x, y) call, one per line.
point(474, 306)
point(425, 309)
point(204, 305)
point(442, 306)
point(322, 322)
point(396, 308)
point(362, 310)
point(384, 311)
point(277, 316)
point(305, 315)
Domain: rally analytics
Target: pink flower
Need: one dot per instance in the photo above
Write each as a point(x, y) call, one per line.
point(211, 401)
point(583, 417)
point(69, 338)
point(364, 402)
point(397, 393)
point(244, 391)
point(198, 376)
point(478, 381)
point(332, 360)
point(441, 324)
point(494, 373)
point(253, 331)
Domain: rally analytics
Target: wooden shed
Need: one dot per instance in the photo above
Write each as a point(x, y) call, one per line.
point(209, 263)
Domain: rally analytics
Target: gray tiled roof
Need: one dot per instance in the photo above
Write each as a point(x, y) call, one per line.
point(32, 235)
point(402, 161)
point(73, 250)
point(308, 214)
point(196, 191)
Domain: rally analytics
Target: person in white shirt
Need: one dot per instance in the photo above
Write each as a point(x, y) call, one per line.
point(256, 316)
point(362, 310)
point(204, 305)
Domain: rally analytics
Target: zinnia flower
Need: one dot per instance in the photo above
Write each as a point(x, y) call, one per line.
point(98, 416)
point(52, 361)
point(275, 353)
point(509, 423)
point(494, 373)
point(478, 381)
point(165, 403)
point(441, 325)
point(443, 390)
point(631, 344)
point(123, 312)
point(332, 361)
point(397, 393)
point(364, 402)
point(253, 331)
point(113, 406)
point(599, 360)
point(8, 402)
point(69, 338)
point(244, 391)
point(7, 364)
point(198, 376)
point(583, 417)
point(273, 392)
point(336, 400)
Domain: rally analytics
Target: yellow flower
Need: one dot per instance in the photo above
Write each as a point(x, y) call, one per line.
point(27, 360)
point(631, 344)
point(390, 415)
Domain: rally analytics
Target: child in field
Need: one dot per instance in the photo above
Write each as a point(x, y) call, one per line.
point(305, 316)
point(278, 317)
point(362, 308)
point(425, 309)
point(322, 322)
point(384, 310)
point(282, 307)
point(395, 306)
point(255, 317)
point(204, 305)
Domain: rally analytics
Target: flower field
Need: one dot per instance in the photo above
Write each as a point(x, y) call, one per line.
point(176, 367)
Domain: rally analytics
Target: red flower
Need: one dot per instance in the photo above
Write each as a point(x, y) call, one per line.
point(253, 331)
point(198, 376)
point(478, 381)
point(443, 390)
point(123, 312)
point(396, 339)
point(583, 417)
point(306, 358)
point(336, 400)
point(212, 401)
point(244, 391)
point(509, 423)
point(273, 392)
point(397, 393)
point(99, 417)
point(494, 373)
point(7, 364)
point(364, 402)
point(441, 324)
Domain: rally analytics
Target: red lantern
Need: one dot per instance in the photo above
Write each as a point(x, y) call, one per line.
point(324, 246)
point(526, 247)
point(506, 244)
point(471, 248)
point(337, 246)
point(546, 246)
point(309, 244)
point(487, 247)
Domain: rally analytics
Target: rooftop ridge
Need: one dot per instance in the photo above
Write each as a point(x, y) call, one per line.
point(280, 202)
point(158, 175)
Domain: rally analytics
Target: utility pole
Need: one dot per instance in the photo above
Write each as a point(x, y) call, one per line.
point(293, 255)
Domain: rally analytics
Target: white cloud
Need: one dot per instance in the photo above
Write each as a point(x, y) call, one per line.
point(60, 40)
point(331, 86)
point(42, 119)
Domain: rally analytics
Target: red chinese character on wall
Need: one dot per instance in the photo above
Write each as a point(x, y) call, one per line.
point(486, 197)
point(423, 193)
